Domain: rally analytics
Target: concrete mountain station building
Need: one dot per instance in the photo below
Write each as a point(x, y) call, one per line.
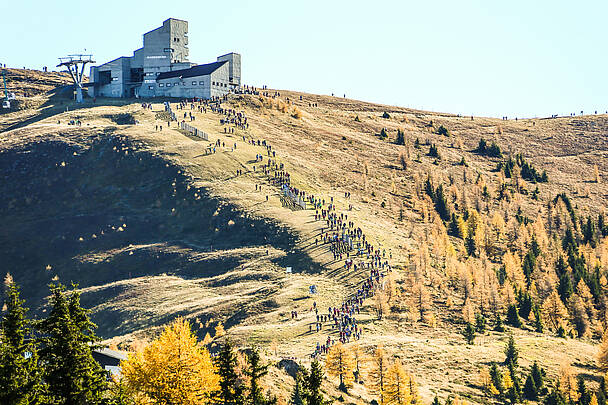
point(161, 69)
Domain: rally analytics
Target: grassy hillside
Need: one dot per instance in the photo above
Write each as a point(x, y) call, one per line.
point(152, 227)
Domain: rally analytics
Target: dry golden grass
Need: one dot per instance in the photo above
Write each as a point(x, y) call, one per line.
point(329, 153)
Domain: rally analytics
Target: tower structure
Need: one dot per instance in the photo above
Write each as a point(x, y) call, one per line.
point(75, 65)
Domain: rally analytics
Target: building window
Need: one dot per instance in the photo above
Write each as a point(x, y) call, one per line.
point(201, 82)
point(160, 85)
point(194, 83)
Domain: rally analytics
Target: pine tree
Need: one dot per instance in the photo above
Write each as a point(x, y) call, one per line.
point(513, 316)
point(538, 374)
point(230, 390)
point(313, 380)
point(469, 333)
point(496, 378)
point(434, 151)
point(584, 396)
point(525, 304)
point(456, 227)
point(255, 371)
point(400, 138)
point(19, 373)
point(511, 352)
point(480, 323)
point(297, 396)
point(498, 326)
point(72, 375)
point(441, 204)
point(530, 389)
point(514, 392)
point(470, 244)
point(555, 397)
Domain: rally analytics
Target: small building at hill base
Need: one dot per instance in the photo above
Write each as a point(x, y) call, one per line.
point(161, 69)
point(109, 360)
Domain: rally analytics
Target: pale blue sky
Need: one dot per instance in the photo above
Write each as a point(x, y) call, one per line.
point(515, 58)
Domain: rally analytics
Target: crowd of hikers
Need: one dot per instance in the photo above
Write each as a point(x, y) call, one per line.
point(341, 237)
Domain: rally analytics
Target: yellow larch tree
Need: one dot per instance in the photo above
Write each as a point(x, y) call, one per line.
point(567, 383)
point(173, 369)
point(554, 311)
point(397, 385)
point(219, 330)
point(340, 363)
point(484, 379)
point(602, 354)
point(359, 358)
point(593, 400)
point(421, 300)
point(377, 374)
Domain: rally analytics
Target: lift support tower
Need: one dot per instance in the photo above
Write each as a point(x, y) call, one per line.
point(75, 65)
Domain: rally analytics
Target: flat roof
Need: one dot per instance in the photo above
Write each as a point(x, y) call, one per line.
point(111, 353)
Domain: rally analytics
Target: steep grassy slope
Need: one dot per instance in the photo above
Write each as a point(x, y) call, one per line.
point(152, 227)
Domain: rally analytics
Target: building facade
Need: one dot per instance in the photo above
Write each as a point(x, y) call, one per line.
point(161, 69)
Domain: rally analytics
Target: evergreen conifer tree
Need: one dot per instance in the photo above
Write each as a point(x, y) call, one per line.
point(469, 333)
point(530, 389)
point(513, 316)
point(525, 304)
point(584, 395)
point(297, 396)
point(538, 374)
point(441, 204)
point(498, 326)
point(565, 288)
point(72, 375)
point(555, 397)
point(400, 138)
point(314, 379)
point(496, 378)
point(480, 323)
point(511, 352)
point(255, 371)
point(19, 373)
point(231, 389)
point(470, 243)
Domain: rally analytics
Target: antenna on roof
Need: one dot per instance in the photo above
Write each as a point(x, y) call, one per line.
point(72, 63)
